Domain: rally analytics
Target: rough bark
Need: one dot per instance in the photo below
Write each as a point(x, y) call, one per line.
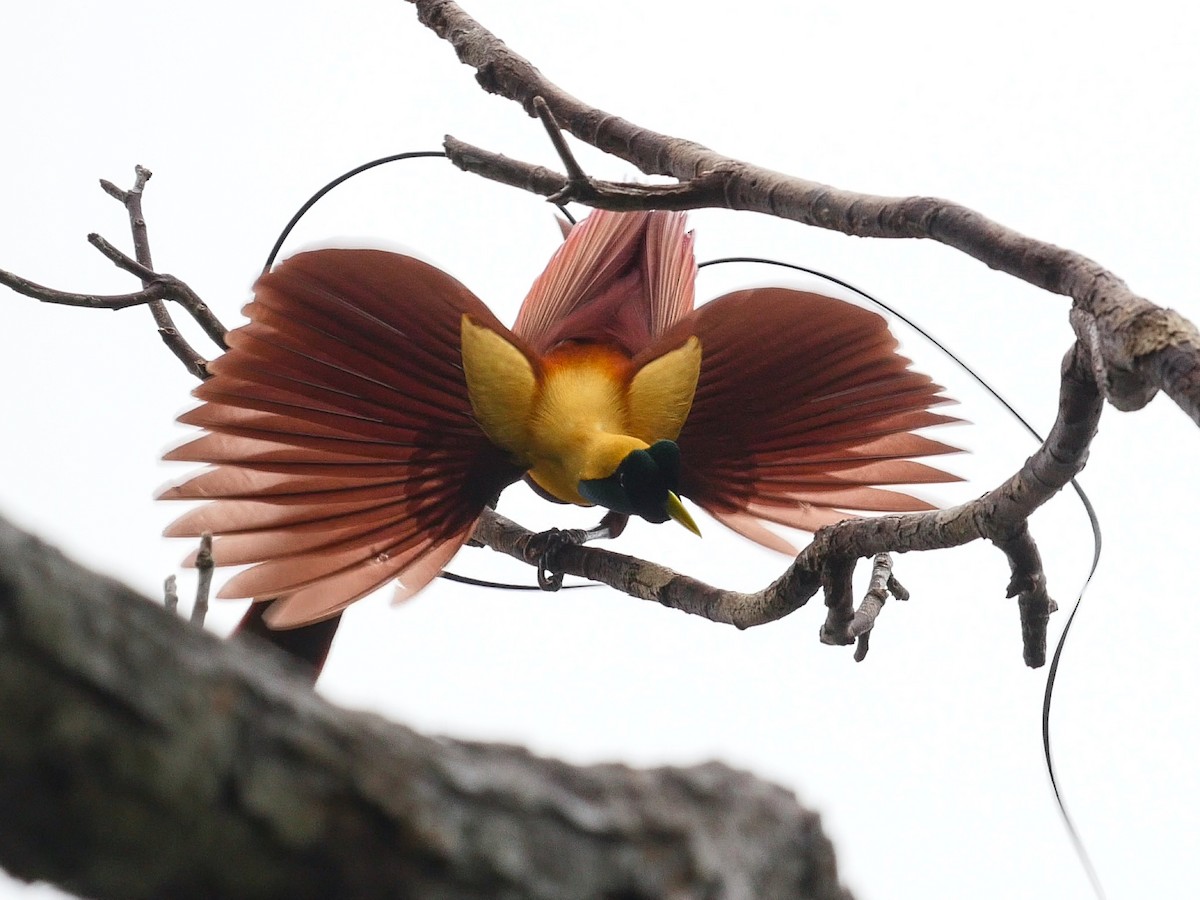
point(141, 757)
point(1137, 347)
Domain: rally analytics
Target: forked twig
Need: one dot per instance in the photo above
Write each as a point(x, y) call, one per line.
point(156, 288)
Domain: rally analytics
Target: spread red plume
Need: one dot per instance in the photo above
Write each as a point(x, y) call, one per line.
point(372, 406)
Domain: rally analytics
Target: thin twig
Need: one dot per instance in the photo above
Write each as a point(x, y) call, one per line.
point(837, 579)
point(158, 291)
point(156, 288)
point(204, 575)
point(180, 292)
point(121, 259)
point(165, 287)
point(868, 611)
point(705, 190)
point(578, 182)
point(170, 594)
point(1028, 585)
point(132, 201)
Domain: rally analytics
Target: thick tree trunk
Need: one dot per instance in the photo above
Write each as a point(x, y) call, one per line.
point(141, 757)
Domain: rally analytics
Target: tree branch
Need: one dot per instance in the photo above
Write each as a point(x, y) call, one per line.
point(132, 201)
point(1138, 347)
point(882, 582)
point(141, 757)
point(702, 191)
point(999, 516)
point(180, 292)
point(156, 288)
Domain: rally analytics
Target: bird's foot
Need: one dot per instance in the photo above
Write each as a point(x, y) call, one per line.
point(542, 549)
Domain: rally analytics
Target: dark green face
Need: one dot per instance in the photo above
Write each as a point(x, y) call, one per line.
point(640, 485)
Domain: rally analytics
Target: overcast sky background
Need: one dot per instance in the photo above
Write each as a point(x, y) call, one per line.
point(1075, 123)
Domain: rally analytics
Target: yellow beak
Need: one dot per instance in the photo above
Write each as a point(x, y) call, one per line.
point(677, 511)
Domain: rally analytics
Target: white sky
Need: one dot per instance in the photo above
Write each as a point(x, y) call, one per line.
point(1075, 123)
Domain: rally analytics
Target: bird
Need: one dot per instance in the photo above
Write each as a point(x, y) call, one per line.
point(373, 407)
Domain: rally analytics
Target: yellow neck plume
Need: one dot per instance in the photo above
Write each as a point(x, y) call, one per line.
point(579, 421)
point(581, 411)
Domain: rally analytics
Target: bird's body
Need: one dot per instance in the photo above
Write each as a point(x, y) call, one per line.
point(580, 424)
point(573, 414)
point(373, 407)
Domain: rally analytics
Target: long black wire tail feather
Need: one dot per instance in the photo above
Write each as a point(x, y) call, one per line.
point(1093, 519)
point(1050, 679)
point(504, 586)
point(344, 177)
point(274, 254)
point(1051, 676)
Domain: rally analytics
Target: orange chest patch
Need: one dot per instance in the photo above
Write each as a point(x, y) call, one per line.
point(586, 359)
point(582, 389)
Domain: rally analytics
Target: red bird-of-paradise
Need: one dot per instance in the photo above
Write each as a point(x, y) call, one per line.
point(373, 406)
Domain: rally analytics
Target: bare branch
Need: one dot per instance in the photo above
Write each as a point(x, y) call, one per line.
point(1028, 585)
point(196, 768)
point(120, 259)
point(156, 288)
point(1141, 347)
point(204, 575)
point(161, 288)
point(998, 516)
point(837, 579)
point(170, 594)
point(702, 191)
point(179, 292)
point(158, 291)
point(872, 605)
point(1128, 348)
point(576, 178)
point(176, 343)
point(116, 193)
point(132, 201)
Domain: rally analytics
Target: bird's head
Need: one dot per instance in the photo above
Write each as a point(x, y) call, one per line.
point(644, 484)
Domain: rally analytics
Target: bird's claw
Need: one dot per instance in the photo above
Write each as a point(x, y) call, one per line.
point(542, 548)
point(547, 580)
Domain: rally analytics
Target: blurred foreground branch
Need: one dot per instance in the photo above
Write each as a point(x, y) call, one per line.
point(142, 757)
